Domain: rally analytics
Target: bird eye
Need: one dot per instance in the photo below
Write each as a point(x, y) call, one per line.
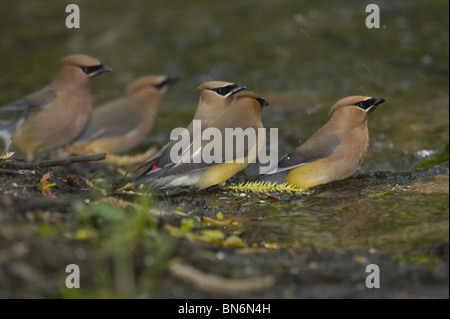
point(222, 91)
point(91, 69)
point(227, 90)
point(365, 104)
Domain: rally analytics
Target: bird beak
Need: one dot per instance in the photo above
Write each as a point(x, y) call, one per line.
point(262, 103)
point(171, 80)
point(167, 83)
point(377, 101)
point(103, 68)
point(237, 88)
point(106, 68)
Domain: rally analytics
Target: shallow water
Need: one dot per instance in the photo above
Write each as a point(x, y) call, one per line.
point(302, 56)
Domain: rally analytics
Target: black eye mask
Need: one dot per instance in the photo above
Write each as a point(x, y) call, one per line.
point(88, 70)
point(229, 89)
point(166, 82)
point(369, 103)
point(262, 102)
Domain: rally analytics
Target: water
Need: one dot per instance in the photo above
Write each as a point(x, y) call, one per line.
point(302, 56)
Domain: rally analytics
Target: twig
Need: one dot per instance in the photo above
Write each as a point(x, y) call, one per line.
point(10, 171)
point(266, 187)
point(215, 284)
point(42, 203)
point(6, 150)
point(50, 163)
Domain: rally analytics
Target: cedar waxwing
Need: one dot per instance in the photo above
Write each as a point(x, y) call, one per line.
point(335, 151)
point(215, 97)
point(120, 125)
point(192, 168)
point(57, 114)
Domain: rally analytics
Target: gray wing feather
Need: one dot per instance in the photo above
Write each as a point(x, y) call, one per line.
point(118, 122)
point(30, 104)
point(313, 150)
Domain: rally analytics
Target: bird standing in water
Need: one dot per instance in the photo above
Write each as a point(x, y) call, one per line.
point(215, 97)
point(58, 113)
point(120, 125)
point(243, 114)
point(335, 151)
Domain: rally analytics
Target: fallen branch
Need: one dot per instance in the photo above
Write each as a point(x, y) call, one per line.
point(50, 163)
point(215, 284)
point(41, 203)
point(10, 171)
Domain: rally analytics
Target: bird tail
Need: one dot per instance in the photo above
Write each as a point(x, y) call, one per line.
point(149, 176)
point(6, 131)
point(278, 177)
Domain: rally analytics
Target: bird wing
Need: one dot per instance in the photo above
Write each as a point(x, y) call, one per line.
point(30, 104)
point(181, 167)
point(313, 150)
point(154, 164)
point(14, 107)
point(117, 122)
point(6, 131)
point(160, 162)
